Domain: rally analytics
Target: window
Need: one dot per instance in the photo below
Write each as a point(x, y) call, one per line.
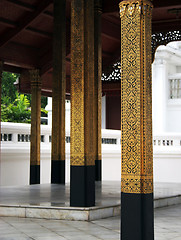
point(175, 88)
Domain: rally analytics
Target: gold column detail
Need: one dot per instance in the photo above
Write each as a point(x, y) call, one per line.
point(136, 106)
point(97, 77)
point(82, 83)
point(59, 82)
point(35, 117)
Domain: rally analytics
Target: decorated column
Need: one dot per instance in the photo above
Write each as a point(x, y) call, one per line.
point(35, 127)
point(98, 87)
point(136, 121)
point(58, 93)
point(82, 182)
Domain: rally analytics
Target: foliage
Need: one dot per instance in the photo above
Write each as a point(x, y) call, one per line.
point(15, 107)
point(43, 102)
point(18, 111)
point(8, 88)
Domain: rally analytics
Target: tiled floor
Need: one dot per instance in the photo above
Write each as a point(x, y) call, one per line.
point(168, 223)
point(167, 227)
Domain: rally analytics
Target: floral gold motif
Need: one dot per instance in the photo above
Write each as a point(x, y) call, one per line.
point(136, 105)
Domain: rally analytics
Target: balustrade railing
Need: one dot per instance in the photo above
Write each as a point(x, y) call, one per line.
point(167, 140)
point(15, 154)
point(20, 133)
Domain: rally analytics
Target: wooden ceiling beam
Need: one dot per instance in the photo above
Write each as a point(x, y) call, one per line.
point(166, 3)
point(111, 6)
point(111, 30)
point(28, 7)
point(24, 22)
point(46, 52)
point(35, 31)
point(111, 60)
point(19, 56)
point(22, 5)
point(7, 22)
point(164, 25)
point(12, 69)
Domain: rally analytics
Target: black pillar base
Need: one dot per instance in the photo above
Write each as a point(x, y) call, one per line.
point(137, 220)
point(34, 174)
point(82, 186)
point(98, 170)
point(58, 172)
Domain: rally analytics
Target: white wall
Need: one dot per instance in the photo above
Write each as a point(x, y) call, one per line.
point(159, 95)
point(166, 111)
point(104, 112)
point(15, 156)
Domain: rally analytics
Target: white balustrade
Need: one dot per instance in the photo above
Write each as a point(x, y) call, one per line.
point(15, 155)
point(18, 132)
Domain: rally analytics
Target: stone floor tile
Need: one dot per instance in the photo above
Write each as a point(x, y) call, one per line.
point(49, 238)
point(167, 227)
point(14, 237)
point(109, 236)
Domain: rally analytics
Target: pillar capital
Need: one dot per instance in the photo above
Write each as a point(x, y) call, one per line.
point(98, 6)
point(35, 77)
point(132, 6)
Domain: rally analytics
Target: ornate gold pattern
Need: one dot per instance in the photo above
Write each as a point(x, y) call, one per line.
point(82, 83)
point(136, 106)
point(35, 117)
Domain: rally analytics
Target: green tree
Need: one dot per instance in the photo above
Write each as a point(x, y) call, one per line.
point(15, 107)
point(8, 88)
point(18, 111)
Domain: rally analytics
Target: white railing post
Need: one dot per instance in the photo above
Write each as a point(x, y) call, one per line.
point(14, 137)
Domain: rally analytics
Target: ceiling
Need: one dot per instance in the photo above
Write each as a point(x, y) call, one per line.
point(26, 34)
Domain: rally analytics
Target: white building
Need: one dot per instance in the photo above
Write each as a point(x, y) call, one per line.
point(166, 80)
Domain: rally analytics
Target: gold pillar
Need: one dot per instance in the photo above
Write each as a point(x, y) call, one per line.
point(82, 110)
point(58, 93)
point(98, 87)
point(136, 120)
point(35, 127)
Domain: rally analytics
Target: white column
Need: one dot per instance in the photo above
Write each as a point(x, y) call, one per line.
point(159, 94)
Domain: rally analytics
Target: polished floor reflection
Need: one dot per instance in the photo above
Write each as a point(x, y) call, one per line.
point(107, 193)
